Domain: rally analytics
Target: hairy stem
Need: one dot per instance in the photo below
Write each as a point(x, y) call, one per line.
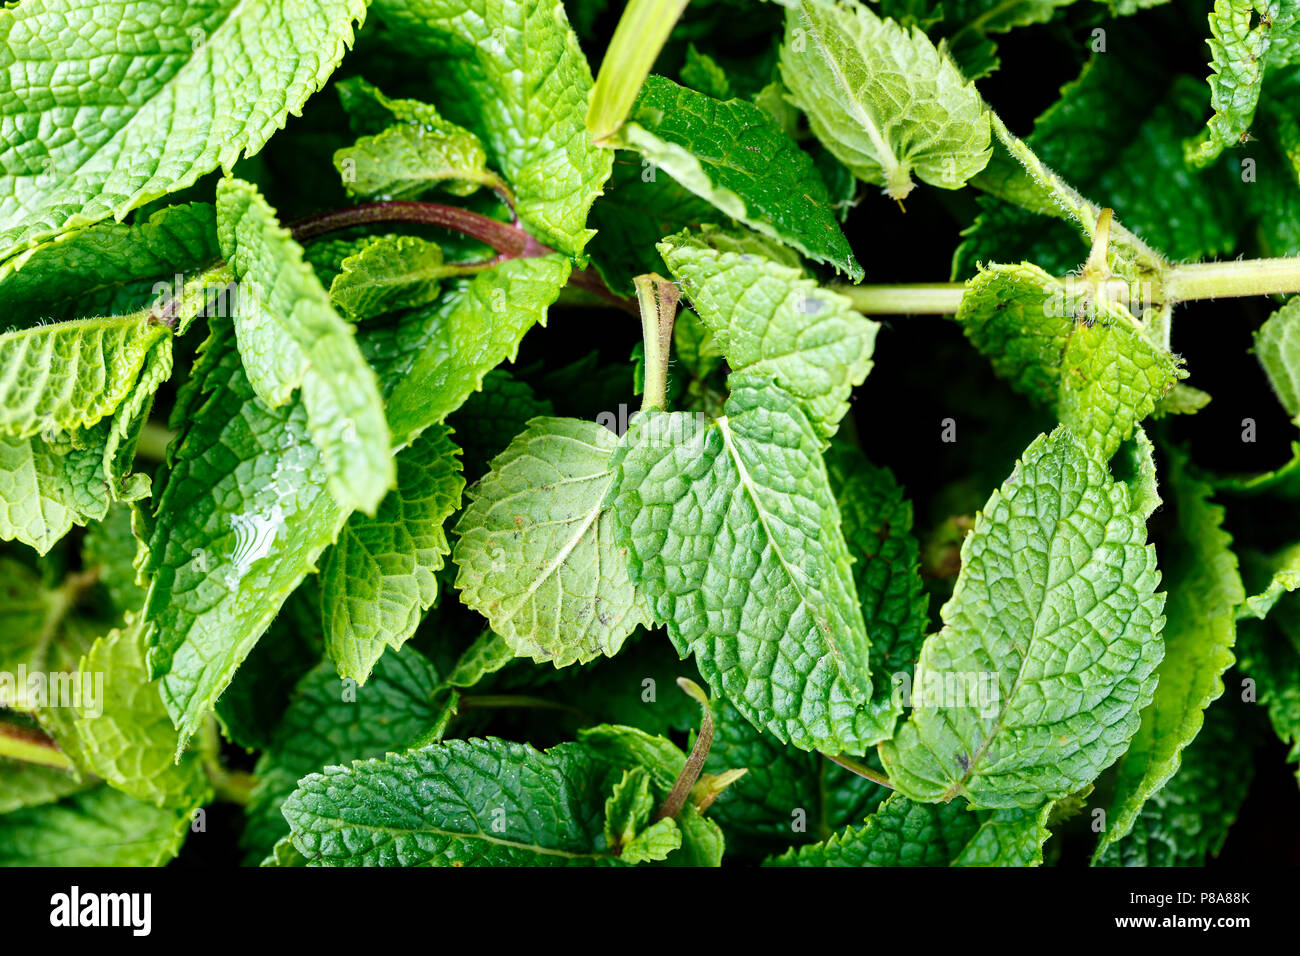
point(31, 746)
point(936, 298)
point(1223, 280)
point(657, 299)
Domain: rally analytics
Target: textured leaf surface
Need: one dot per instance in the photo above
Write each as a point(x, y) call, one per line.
point(522, 84)
point(1204, 588)
point(107, 106)
point(100, 827)
point(438, 359)
point(905, 833)
point(100, 268)
point(1056, 603)
point(461, 802)
point(390, 272)
point(732, 154)
point(882, 99)
point(538, 554)
point(290, 337)
point(328, 722)
point(126, 738)
point(379, 578)
point(62, 377)
point(31, 785)
point(769, 319)
point(412, 148)
point(1092, 362)
point(717, 513)
point(1277, 345)
point(1248, 39)
point(243, 517)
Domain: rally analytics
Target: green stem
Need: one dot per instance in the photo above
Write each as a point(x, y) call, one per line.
point(641, 33)
point(1223, 280)
point(232, 786)
point(657, 299)
point(31, 746)
point(861, 769)
point(936, 298)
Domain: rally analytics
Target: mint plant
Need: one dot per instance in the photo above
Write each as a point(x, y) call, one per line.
point(447, 454)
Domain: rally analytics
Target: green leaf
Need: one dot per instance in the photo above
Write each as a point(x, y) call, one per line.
point(379, 578)
point(62, 377)
point(1277, 346)
point(1248, 40)
point(882, 99)
point(877, 524)
point(103, 268)
point(1049, 644)
point(1188, 818)
point(795, 662)
point(769, 319)
point(1205, 589)
point(1281, 570)
point(407, 159)
point(290, 337)
point(388, 273)
point(490, 419)
point(31, 785)
point(243, 517)
point(125, 736)
point(186, 90)
point(638, 209)
point(538, 554)
point(629, 807)
point(111, 546)
point(732, 154)
point(628, 747)
point(522, 84)
point(458, 803)
point(654, 843)
point(332, 721)
point(1086, 357)
point(905, 833)
point(438, 358)
point(101, 827)
point(701, 72)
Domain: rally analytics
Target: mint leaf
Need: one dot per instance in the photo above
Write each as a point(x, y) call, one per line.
point(31, 785)
point(242, 519)
point(755, 480)
point(521, 84)
point(388, 273)
point(905, 833)
point(63, 377)
point(186, 99)
point(108, 268)
point(732, 154)
point(1270, 656)
point(538, 553)
point(882, 99)
point(290, 337)
point(437, 359)
point(770, 319)
point(331, 721)
point(1200, 574)
point(403, 159)
point(125, 736)
point(1056, 601)
point(1277, 346)
point(379, 577)
point(461, 802)
point(1086, 357)
point(1248, 40)
point(101, 827)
